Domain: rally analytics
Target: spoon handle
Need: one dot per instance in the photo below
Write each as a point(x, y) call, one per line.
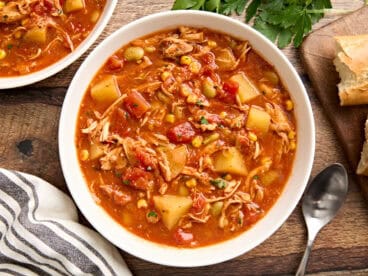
point(303, 264)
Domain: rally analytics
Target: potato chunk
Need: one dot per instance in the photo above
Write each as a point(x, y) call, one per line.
point(247, 91)
point(106, 91)
point(258, 120)
point(175, 158)
point(73, 5)
point(36, 34)
point(230, 161)
point(225, 59)
point(95, 151)
point(172, 208)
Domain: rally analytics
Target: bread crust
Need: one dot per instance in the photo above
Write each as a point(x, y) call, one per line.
point(362, 168)
point(352, 64)
point(354, 96)
point(355, 49)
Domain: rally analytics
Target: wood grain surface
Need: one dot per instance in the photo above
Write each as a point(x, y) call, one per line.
point(28, 142)
point(318, 52)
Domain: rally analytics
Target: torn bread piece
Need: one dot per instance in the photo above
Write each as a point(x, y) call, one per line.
point(352, 64)
point(363, 163)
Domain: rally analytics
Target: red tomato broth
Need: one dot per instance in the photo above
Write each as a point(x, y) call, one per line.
point(27, 55)
point(135, 219)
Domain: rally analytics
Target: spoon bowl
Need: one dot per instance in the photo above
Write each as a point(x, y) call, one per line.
point(323, 198)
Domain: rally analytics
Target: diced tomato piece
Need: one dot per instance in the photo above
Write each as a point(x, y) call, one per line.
point(213, 119)
point(49, 5)
point(37, 8)
point(230, 87)
point(199, 202)
point(182, 133)
point(115, 63)
point(144, 159)
point(182, 237)
point(137, 178)
point(136, 104)
point(208, 58)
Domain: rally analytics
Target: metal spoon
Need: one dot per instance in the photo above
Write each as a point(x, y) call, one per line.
point(323, 198)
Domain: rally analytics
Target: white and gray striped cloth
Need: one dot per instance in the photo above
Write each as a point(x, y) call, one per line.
point(40, 233)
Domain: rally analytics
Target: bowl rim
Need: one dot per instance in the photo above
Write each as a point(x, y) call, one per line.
point(52, 69)
point(167, 255)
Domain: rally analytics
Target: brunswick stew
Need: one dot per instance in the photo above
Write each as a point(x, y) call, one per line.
point(186, 137)
point(37, 33)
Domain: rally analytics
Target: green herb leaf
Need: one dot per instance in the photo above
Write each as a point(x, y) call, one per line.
point(269, 30)
point(279, 20)
point(203, 121)
point(184, 4)
point(152, 214)
point(284, 38)
point(230, 6)
point(252, 10)
point(9, 46)
point(213, 5)
point(126, 182)
point(219, 183)
point(199, 103)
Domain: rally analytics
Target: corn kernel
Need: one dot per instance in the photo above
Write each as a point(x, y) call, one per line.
point(2, 4)
point(191, 183)
point(252, 137)
point(2, 54)
point(150, 49)
point(84, 154)
point(185, 60)
point(18, 34)
point(223, 115)
point(292, 145)
point(289, 105)
point(142, 203)
point(266, 160)
point(185, 90)
point(211, 43)
point(195, 67)
point(197, 141)
point(24, 21)
point(165, 75)
point(94, 16)
point(291, 135)
point(228, 177)
point(170, 118)
point(211, 138)
point(192, 98)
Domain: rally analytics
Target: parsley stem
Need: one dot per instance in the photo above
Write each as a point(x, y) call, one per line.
point(331, 11)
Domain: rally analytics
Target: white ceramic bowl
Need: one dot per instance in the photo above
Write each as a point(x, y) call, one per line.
point(12, 82)
point(162, 254)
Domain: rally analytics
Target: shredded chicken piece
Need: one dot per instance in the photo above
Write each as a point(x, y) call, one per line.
point(15, 11)
point(113, 159)
point(213, 147)
point(203, 177)
point(145, 63)
point(173, 47)
point(118, 196)
point(280, 121)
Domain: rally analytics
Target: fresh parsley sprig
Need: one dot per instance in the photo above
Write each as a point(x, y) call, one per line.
point(282, 21)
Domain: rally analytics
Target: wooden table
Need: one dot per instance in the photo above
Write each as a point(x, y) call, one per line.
point(28, 142)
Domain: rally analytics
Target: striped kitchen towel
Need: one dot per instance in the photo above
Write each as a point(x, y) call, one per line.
point(40, 233)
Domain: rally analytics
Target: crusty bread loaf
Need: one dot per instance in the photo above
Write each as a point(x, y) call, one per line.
point(352, 64)
point(363, 163)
